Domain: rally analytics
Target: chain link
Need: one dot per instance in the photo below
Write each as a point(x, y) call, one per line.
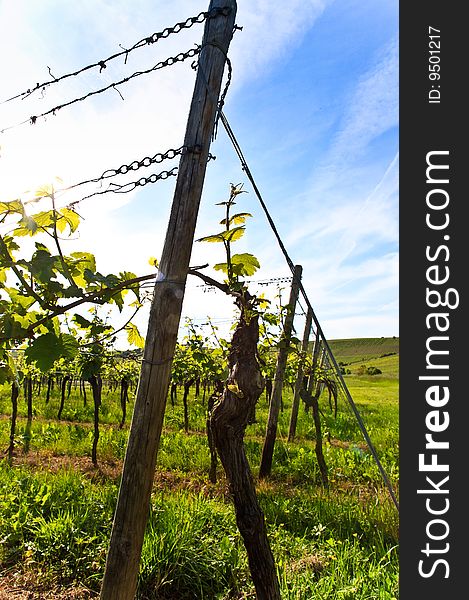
point(144, 162)
point(187, 24)
point(133, 166)
point(129, 187)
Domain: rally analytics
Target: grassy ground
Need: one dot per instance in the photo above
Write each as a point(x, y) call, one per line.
point(362, 349)
point(56, 508)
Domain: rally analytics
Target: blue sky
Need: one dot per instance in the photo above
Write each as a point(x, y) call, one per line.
point(313, 103)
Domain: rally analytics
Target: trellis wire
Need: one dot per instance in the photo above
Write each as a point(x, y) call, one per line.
point(102, 64)
point(182, 56)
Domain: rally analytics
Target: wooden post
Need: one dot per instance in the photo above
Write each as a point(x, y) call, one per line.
point(271, 431)
point(299, 377)
point(120, 577)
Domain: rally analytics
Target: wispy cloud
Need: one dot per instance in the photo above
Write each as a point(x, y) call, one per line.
point(373, 108)
point(348, 237)
point(270, 31)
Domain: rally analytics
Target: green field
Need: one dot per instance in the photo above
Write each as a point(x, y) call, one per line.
point(363, 349)
point(339, 543)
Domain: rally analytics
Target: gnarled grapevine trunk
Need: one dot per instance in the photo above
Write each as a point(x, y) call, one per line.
point(28, 389)
point(96, 386)
point(63, 392)
point(174, 393)
point(213, 399)
point(50, 381)
point(318, 446)
point(228, 423)
point(15, 391)
point(187, 387)
point(124, 397)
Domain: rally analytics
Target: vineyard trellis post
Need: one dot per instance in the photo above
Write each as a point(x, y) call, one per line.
point(284, 345)
point(300, 375)
point(131, 515)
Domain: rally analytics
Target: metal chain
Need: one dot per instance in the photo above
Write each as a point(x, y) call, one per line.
point(135, 165)
point(152, 39)
point(123, 169)
point(187, 24)
point(129, 187)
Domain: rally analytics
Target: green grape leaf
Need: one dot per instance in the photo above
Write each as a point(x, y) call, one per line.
point(28, 226)
point(42, 264)
point(81, 321)
point(127, 275)
point(71, 217)
point(14, 206)
point(237, 219)
point(8, 370)
point(233, 234)
point(45, 190)
point(47, 348)
point(212, 238)
point(109, 281)
point(133, 336)
point(84, 260)
point(248, 261)
point(44, 218)
point(118, 299)
point(11, 327)
point(221, 267)
point(153, 261)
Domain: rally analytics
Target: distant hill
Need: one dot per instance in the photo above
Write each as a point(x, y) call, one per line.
point(357, 350)
point(356, 353)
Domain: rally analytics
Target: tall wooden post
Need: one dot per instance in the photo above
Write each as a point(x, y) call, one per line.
point(299, 377)
point(120, 577)
point(271, 431)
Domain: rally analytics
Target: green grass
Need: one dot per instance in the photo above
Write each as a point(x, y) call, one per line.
point(376, 399)
point(59, 525)
point(331, 544)
point(361, 349)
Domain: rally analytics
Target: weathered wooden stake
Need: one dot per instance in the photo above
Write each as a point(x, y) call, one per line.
point(299, 377)
point(120, 577)
point(271, 431)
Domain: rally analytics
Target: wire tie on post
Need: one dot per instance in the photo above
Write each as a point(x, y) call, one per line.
point(158, 362)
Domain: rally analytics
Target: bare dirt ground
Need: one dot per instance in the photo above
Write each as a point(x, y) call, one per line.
point(110, 470)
